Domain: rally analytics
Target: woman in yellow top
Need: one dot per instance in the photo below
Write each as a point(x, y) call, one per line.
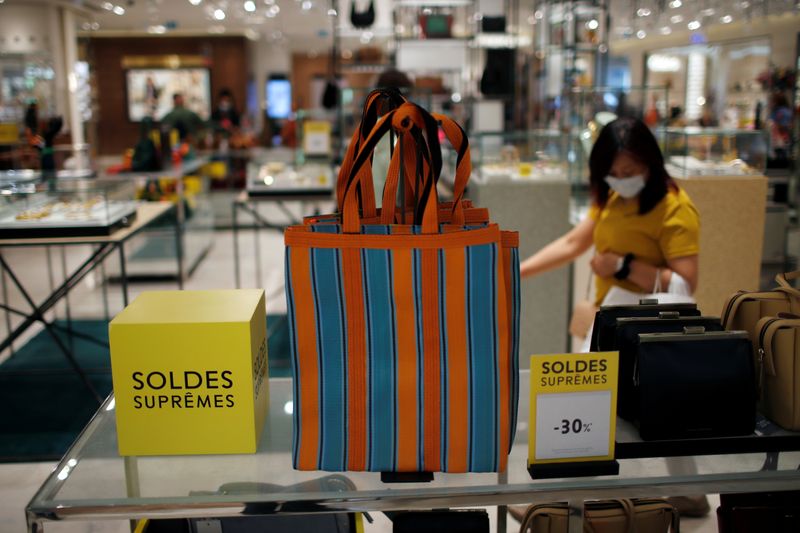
point(641, 223)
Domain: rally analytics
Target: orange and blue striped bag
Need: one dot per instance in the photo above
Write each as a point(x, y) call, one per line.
point(404, 337)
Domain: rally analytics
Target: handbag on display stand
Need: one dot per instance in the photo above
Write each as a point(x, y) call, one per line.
point(605, 516)
point(388, 319)
point(778, 346)
point(694, 384)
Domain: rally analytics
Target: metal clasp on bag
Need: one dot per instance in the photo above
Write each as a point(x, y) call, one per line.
point(694, 330)
point(648, 301)
point(671, 315)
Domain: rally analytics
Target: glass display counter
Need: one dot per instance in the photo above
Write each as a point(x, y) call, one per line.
point(698, 151)
point(93, 482)
point(534, 154)
point(65, 208)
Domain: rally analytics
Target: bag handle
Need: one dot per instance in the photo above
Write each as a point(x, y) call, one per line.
point(784, 281)
point(369, 117)
point(457, 137)
point(412, 123)
point(742, 297)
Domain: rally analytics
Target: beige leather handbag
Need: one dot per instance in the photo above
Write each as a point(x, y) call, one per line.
point(744, 309)
point(778, 346)
point(605, 516)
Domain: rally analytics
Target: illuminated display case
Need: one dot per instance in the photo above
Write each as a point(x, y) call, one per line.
point(520, 155)
point(68, 208)
point(697, 151)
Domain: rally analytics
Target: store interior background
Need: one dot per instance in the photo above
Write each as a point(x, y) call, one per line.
point(709, 62)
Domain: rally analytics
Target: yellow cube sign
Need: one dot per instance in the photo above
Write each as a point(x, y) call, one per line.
point(190, 372)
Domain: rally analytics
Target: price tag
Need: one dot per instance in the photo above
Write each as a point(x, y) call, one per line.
point(574, 404)
point(316, 137)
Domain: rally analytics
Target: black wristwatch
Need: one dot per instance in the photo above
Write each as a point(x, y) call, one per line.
point(625, 271)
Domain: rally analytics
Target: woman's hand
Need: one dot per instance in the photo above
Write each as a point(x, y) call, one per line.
point(605, 264)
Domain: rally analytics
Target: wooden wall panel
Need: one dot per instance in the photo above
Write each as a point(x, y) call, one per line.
point(228, 65)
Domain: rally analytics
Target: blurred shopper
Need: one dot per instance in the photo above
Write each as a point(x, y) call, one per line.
point(225, 117)
point(183, 119)
point(780, 129)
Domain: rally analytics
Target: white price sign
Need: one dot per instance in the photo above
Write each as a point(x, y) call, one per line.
point(574, 401)
point(572, 424)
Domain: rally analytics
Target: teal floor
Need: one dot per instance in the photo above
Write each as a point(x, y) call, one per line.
point(45, 403)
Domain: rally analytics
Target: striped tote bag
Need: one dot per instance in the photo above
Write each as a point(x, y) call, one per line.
point(402, 335)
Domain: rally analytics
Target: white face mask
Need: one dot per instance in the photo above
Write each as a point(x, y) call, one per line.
point(626, 187)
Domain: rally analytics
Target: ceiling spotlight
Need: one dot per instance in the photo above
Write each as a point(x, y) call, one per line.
point(539, 15)
point(593, 24)
point(726, 19)
point(708, 12)
point(95, 26)
point(219, 14)
point(269, 2)
point(675, 4)
point(332, 13)
point(307, 5)
point(108, 6)
point(643, 12)
point(694, 25)
point(250, 6)
point(641, 34)
point(676, 19)
point(602, 49)
point(195, 2)
point(665, 30)
point(157, 29)
point(274, 9)
point(118, 10)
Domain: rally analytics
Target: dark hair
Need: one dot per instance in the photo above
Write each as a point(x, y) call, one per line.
point(393, 78)
point(226, 92)
point(632, 136)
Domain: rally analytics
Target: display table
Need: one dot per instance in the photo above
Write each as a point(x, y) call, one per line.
point(100, 247)
point(93, 482)
point(152, 254)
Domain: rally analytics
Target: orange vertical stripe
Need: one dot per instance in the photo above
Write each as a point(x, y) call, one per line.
point(457, 365)
point(503, 355)
point(356, 360)
point(432, 370)
point(308, 369)
point(406, 361)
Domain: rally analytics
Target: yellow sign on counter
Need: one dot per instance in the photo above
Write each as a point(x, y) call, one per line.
point(190, 372)
point(573, 407)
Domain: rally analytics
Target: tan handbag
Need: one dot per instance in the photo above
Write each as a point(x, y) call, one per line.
point(744, 309)
point(605, 516)
point(778, 346)
point(583, 314)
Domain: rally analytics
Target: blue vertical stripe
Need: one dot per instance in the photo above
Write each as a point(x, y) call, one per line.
point(296, 422)
point(333, 378)
point(379, 306)
point(416, 258)
point(444, 371)
point(495, 352)
point(483, 308)
point(515, 312)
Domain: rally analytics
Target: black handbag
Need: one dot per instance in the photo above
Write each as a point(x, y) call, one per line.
point(695, 384)
point(362, 19)
point(627, 341)
point(605, 321)
point(775, 512)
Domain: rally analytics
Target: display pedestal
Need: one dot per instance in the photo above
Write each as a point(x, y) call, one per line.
point(406, 477)
point(577, 469)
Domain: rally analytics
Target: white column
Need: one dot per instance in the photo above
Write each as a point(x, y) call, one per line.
point(70, 41)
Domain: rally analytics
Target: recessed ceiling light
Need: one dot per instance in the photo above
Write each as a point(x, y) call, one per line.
point(726, 19)
point(676, 19)
point(593, 24)
point(708, 12)
point(675, 4)
point(108, 6)
point(641, 34)
point(332, 13)
point(157, 29)
point(219, 14)
point(119, 10)
point(665, 30)
point(249, 6)
point(195, 2)
point(275, 9)
point(307, 5)
point(694, 25)
point(643, 12)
